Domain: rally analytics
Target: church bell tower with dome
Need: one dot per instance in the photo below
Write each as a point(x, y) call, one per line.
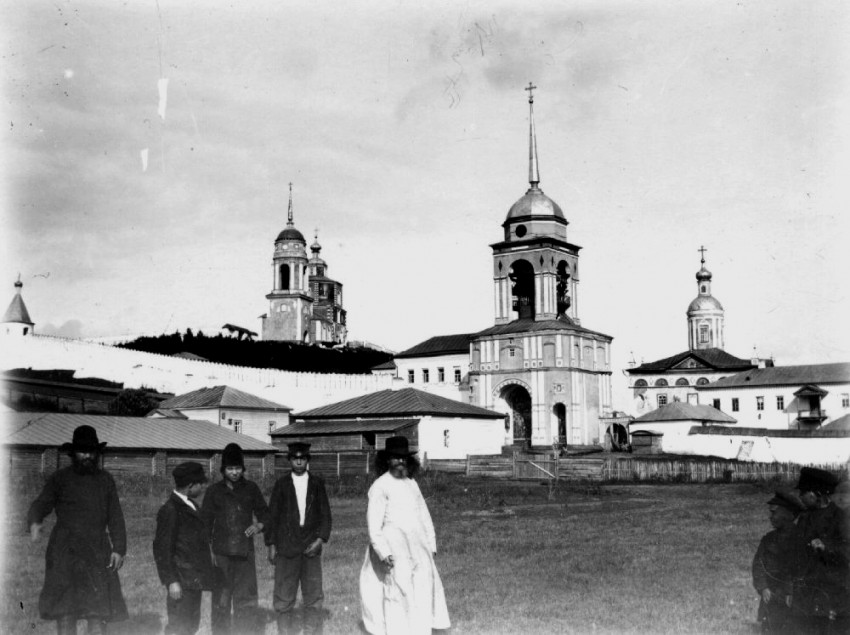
point(290, 303)
point(705, 314)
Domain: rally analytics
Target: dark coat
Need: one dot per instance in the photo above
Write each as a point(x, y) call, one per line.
point(181, 547)
point(284, 531)
point(229, 512)
point(825, 587)
point(89, 528)
point(779, 562)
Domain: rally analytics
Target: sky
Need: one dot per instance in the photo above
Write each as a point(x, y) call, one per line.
point(661, 127)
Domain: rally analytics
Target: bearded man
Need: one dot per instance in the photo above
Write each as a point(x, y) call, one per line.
point(400, 589)
point(88, 543)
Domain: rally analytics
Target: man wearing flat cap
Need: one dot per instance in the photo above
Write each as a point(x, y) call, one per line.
point(822, 598)
point(88, 543)
point(181, 550)
point(401, 592)
point(778, 562)
point(299, 524)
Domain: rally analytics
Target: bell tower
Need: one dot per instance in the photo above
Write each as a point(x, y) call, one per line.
point(535, 267)
point(290, 302)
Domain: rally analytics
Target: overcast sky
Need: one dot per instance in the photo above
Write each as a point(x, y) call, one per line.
point(662, 126)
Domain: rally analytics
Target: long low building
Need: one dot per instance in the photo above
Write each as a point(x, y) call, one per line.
point(32, 442)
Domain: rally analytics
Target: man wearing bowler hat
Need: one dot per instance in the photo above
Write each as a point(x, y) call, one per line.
point(88, 543)
point(822, 598)
point(400, 589)
point(299, 524)
point(181, 550)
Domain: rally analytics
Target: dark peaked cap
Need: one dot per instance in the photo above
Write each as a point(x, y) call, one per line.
point(787, 500)
point(813, 479)
point(188, 473)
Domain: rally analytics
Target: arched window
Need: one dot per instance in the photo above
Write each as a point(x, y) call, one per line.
point(284, 277)
point(641, 383)
point(661, 382)
point(702, 381)
point(562, 287)
point(682, 382)
point(522, 282)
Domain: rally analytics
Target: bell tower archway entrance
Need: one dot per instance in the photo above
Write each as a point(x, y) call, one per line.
point(518, 400)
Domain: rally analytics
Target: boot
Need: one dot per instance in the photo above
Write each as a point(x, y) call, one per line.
point(285, 624)
point(96, 626)
point(66, 625)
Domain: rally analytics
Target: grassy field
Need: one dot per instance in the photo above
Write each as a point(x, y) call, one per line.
point(514, 557)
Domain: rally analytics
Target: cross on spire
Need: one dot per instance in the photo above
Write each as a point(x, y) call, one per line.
point(702, 251)
point(533, 168)
point(289, 221)
point(530, 88)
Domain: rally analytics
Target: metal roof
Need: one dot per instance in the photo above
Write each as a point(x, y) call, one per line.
point(17, 311)
point(713, 358)
point(221, 397)
point(837, 373)
point(439, 345)
point(356, 426)
point(389, 365)
point(842, 423)
point(682, 411)
point(407, 401)
point(55, 429)
point(530, 325)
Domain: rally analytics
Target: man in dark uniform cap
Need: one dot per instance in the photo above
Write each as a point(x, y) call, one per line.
point(779, 560)
point(299, 524)
point(822, 598)
point(88, 543)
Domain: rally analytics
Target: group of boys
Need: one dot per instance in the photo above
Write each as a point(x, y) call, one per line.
point(197, 548)
point(212, 548)
point(801, 569)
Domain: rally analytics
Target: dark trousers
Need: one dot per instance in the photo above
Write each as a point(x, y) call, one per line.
point(184, 615)
point(289, 573)
point(236, 592)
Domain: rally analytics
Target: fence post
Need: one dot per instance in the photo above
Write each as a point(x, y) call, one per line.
point(513, 464)
point(467, 465)
point(338, 473)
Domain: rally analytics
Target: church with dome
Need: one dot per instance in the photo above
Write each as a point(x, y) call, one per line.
point(305, 305)
point(655, 384)
point(537, 363)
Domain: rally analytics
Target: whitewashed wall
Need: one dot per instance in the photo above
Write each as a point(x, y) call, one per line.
point(448, 388)
point(465, 436)
point(764, 449)
point(177, 375)
point(254, 423)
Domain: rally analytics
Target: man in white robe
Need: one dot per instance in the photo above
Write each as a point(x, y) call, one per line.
point(400, 589)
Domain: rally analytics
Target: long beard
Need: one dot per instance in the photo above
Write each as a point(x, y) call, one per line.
point(85, 466)
point(399, 471)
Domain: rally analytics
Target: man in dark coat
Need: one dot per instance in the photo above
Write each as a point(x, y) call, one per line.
point(88, 544)
point(181, 550)
point(300, 523)
point(229, 509)
point(778, 563)
point(822, 598)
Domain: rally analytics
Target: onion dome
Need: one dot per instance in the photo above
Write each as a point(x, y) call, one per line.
point(705, 303)
point(704, 274)
point(535, 203)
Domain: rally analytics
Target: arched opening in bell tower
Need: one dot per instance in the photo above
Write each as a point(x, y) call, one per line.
point(283, 280)
point(559, 412)
point(562, 287)
point(522, 288)
point(519, 402)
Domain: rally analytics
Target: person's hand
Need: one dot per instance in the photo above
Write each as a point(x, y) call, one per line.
point(35, 531)
point(116, 560)
point(766, 594)
point(254, 529)
point(817, 545)
point(788, 601)
point(175, 591)
point(214, 559)
point(388, 562)
point(272, 553)
point(314, 547)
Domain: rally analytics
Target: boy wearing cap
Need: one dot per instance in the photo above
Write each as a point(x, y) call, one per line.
point(234, 511)
point(181, 550)
point(299, 524)
point(779, 560)
point(823, 596)
point(88, 543)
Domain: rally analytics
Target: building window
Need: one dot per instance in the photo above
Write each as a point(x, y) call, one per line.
point(662, 400)
point(682, 382)
point(441, 375)
point(702, 381)
point(780, 403)
point(845, 400)
point(661, 382)
point(457, 375)
point(703, 334)
point(716, 403)
point(425, 375)
point(759, 403)
point(272, 426)
point(411, 376)
point(511, 352)
point(445, 438)
point(734, 404)
point(237, 425)
point(641, 383)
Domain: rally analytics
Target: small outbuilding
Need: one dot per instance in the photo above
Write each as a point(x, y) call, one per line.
point(672, 420)
point(32, 442)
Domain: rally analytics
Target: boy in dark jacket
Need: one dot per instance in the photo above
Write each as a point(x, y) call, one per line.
point(181, 550)
point(300, 523)
point(229, 511)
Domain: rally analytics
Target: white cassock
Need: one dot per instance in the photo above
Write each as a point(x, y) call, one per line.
point(409, 599)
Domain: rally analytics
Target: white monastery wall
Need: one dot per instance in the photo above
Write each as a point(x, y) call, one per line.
point(809, 451)
point(177, 375)
point(455, 438)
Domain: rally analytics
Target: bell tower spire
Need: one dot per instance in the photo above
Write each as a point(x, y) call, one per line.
point(533, 168)
point(289, 221)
